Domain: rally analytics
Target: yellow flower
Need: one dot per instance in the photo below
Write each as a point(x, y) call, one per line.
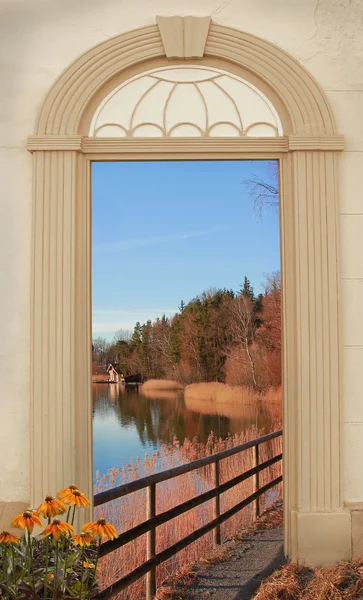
point(75, 498)
point(7, 538)
point(88, 565)
point(65, 491)
point(58, 528)
point(51, 507)
point(100, 529)
point(26, 520)
point(82, 539)
point(50, 575)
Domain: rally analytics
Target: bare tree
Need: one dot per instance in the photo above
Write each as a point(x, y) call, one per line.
point(100, 348)
point(272, 281)
point(122, 335)
point(162, 339)
point(243, 328)
point(264, 194)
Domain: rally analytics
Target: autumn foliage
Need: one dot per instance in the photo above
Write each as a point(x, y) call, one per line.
point(221, 335)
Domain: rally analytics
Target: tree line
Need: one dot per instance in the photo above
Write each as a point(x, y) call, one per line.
point(220, 335)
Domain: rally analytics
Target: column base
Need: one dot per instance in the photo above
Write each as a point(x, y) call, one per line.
point(356, 511)
point(321, 538)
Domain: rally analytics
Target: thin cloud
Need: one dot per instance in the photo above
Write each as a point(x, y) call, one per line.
point(142, 242)
point(133, 311)
point(109, 320)
point(99, 327)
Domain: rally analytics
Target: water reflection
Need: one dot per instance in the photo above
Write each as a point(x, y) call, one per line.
point(128, 424)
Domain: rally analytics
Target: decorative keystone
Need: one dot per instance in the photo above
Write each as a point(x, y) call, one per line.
point(184, 37)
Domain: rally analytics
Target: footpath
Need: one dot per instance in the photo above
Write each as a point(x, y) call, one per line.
point(237, 570)
point(249, 563)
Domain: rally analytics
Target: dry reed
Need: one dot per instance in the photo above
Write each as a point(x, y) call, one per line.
point(161, 394)
point(340, 582)
point(222, 393)
point(232, 411)
point(161, 384)
point(129, 511)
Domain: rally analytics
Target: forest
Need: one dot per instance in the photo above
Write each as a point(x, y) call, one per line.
point(220, 335)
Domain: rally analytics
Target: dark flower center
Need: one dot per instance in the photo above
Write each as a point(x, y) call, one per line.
point(101, 522)
point(49, 499)
point(27, 514)
point(56, 521)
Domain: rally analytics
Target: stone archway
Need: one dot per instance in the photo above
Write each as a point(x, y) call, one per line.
point(317, 529)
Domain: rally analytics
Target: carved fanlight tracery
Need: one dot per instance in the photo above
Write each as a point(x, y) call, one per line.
point(186, 101)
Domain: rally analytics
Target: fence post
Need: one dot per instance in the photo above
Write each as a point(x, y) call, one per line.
point(217, 505)
point(257, 481)
point(151, 541)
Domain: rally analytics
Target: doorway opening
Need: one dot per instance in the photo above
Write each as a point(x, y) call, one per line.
point(186, 325)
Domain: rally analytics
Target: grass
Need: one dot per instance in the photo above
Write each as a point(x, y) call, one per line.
point(340, 582)
point(222, 393)
point(127, 512)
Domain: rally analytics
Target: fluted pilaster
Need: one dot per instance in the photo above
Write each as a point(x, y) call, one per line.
point(61, 344)
point(311, 336)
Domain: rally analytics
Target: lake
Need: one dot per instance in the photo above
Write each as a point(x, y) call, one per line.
point(128, 424)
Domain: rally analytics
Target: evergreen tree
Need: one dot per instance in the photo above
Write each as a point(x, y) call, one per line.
point(247, 289)
point(217, 336)
point(136, 336)
point(258, 308)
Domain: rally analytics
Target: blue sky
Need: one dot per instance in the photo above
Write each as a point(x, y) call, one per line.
point(166, 231)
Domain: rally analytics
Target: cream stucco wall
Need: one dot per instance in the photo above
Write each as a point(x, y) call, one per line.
point(39, 39)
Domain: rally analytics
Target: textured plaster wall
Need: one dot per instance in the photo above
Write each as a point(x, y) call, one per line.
point(38, 41)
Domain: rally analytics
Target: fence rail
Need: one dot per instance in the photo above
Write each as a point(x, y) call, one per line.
point(153, 520)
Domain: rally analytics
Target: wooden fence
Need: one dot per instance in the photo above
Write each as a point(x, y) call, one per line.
point(153, 520)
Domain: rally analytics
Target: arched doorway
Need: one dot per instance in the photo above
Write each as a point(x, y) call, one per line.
point(306, 144)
